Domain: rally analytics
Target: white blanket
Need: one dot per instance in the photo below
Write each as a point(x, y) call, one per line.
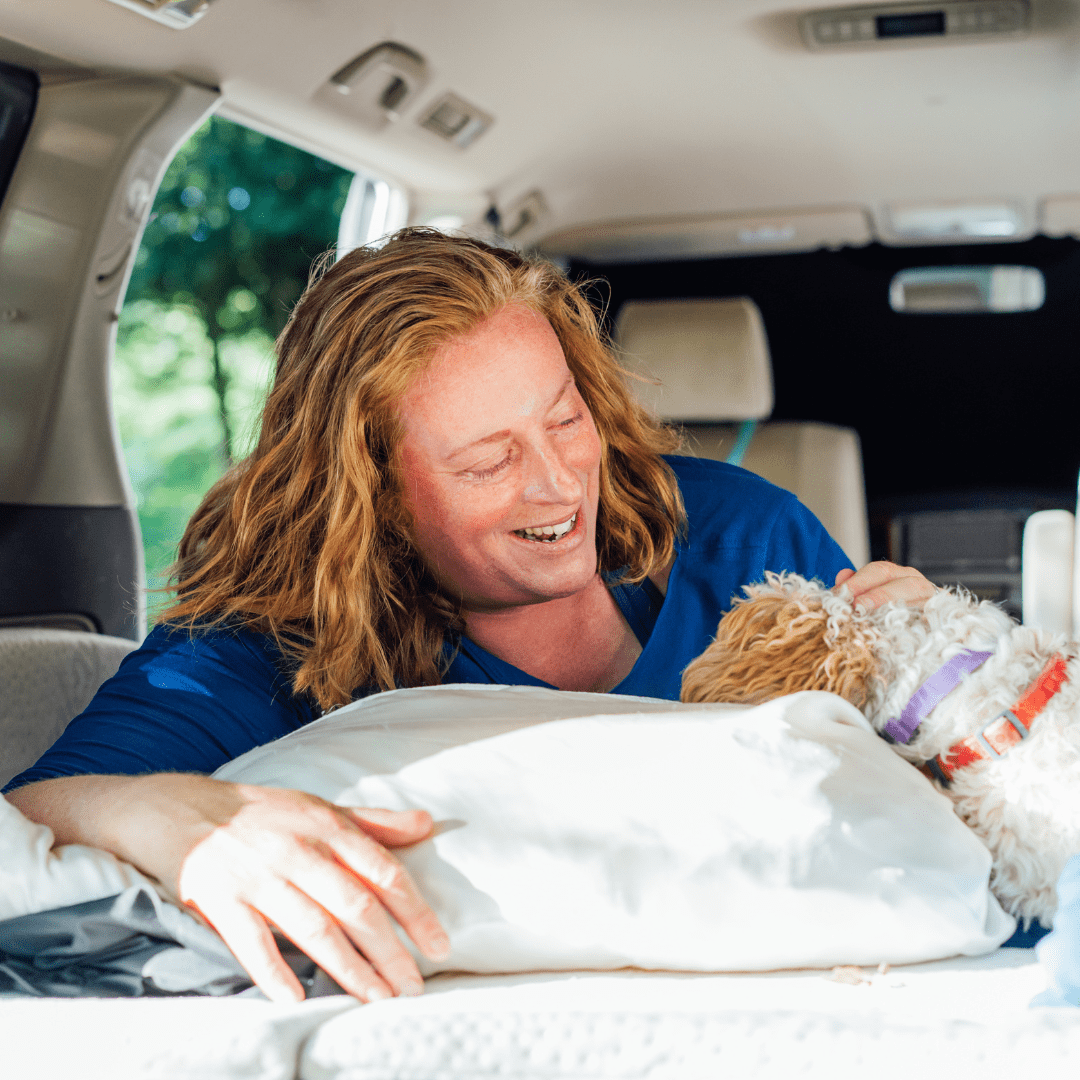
point(704, 838)
point(653, 834)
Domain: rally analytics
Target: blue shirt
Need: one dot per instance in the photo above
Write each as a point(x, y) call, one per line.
point(190, 704)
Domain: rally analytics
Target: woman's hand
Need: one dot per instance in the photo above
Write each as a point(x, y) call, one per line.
point(879, 582)
point(248, 858)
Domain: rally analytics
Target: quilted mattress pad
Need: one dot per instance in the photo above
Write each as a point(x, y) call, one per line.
point(965, 1017)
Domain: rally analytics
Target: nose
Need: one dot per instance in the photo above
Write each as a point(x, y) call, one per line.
point(549, 477)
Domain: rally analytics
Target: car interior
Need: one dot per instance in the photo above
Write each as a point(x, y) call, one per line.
point(839, 246)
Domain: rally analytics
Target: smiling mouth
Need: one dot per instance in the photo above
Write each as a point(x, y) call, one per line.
point(548, 534)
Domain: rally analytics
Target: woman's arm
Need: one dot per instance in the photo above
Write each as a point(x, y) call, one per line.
point(248, 858)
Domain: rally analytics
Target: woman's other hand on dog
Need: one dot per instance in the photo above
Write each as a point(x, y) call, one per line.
point(878, 583)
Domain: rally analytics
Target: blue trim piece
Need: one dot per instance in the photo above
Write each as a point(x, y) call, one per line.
point(742, 442)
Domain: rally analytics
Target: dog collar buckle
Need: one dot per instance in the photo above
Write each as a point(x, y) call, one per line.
point(1008, 728)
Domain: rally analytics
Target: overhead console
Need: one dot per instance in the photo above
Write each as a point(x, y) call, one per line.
point(891, 24)
point(384, 83)
point(802, 229)
point(716, 234)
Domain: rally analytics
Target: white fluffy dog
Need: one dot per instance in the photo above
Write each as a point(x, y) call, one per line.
point(959, 663)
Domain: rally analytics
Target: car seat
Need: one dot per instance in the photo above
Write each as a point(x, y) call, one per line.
point(1050, 574)
point(711, 358)
point(48, 677)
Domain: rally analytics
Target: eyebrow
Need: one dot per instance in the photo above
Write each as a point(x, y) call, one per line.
point(498, 435)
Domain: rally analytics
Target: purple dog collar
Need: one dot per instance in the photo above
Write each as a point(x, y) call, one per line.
point(929, 695)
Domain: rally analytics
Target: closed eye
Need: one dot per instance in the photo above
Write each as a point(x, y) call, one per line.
point(484, 474)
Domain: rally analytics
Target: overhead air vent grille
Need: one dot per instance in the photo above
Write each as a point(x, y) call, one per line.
point(178, 14)
point(891, 24)
point(455, 120)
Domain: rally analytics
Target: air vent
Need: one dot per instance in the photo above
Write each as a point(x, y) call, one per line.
point(378, 84)
point(178, 14)
point(456, 121)
point(960, 20)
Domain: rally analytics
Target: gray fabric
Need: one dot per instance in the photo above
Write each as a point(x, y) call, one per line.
point(47, 678)
point(129, 945)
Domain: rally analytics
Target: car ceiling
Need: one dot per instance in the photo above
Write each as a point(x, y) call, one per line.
point(627, 109)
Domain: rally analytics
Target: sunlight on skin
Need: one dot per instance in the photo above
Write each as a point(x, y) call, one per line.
point(323, 876)
point(497, 440)
point(249, 859)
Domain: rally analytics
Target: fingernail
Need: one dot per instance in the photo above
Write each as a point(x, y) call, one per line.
point(438, 947)
point(411, 989)
point(377, 993)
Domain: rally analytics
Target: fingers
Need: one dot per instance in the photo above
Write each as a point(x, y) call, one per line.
point(389, 881)
point(900, 591)
point(843, 576)
point(872, 575)
point(350, 918)
point(310, 869)
point(321, 935)
point(249, 939)
point(392, 828)
point(880, 583)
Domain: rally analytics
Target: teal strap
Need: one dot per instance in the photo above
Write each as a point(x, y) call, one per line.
point(742, 442)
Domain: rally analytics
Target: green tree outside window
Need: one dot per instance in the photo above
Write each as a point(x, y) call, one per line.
point(236, 225)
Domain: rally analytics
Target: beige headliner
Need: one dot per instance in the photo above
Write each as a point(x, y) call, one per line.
point(628, 109)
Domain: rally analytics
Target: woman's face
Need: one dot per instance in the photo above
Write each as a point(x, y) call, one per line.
point(498, 440)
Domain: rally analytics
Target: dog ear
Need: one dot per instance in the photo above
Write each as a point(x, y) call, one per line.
point(772, 644)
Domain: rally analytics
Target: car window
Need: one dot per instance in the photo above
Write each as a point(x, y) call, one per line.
point(237, 223)
point(18, 95)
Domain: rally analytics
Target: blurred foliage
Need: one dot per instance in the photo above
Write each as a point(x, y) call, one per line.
point(237, 222)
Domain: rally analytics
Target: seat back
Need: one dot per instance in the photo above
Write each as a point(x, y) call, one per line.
point(1050, 576)
point(47, 677)
point(708, 366)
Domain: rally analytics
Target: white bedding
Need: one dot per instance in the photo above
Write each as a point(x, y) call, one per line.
point(687, 838)
point(959, 1018)
point(572, 835)
point(966, 1016)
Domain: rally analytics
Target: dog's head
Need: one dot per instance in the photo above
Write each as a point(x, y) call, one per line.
point(787, 634)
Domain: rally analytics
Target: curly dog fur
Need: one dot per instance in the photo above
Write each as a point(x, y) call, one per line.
point(789, 634)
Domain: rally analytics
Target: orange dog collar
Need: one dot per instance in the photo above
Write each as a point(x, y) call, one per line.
point(1008, 728)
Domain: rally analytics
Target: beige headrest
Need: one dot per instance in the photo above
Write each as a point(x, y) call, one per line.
point(711, 357)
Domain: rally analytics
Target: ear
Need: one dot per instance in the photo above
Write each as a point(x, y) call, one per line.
point(770, 645)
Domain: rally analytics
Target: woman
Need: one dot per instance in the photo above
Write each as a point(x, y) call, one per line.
point(452, 483)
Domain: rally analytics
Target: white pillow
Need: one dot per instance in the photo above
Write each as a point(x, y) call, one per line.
point(714, 838)
point(36, 876)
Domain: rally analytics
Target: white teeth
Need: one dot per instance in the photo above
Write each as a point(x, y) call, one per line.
point(548, 531)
